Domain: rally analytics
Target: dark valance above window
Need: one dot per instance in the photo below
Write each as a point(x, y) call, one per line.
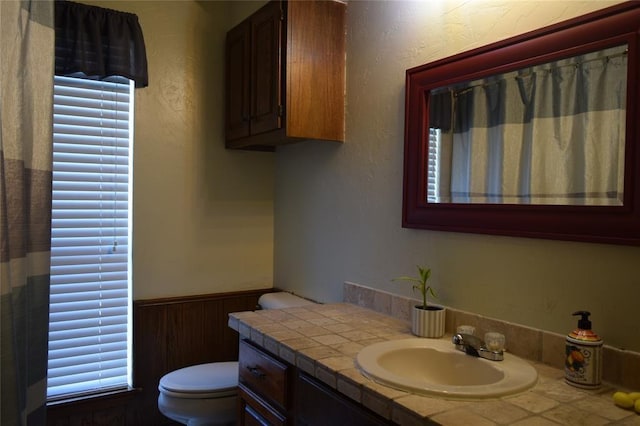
point(99, 43)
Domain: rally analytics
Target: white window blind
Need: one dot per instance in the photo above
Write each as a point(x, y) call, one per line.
point(433, 161)
point(90, 297)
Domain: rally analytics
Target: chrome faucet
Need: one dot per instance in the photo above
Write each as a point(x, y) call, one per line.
point(472, 345)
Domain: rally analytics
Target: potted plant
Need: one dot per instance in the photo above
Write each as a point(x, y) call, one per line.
point(426, 320)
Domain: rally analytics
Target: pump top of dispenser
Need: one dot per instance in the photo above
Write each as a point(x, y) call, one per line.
point(584, 332)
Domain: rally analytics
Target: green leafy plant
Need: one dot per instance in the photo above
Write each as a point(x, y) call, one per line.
point(421, 284)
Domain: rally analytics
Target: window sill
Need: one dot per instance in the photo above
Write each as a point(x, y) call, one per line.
point(108, 395)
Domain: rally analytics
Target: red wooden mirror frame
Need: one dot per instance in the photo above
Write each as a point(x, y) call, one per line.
point(605, 224)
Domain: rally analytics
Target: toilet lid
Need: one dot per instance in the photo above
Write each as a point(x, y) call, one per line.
point(202, 378)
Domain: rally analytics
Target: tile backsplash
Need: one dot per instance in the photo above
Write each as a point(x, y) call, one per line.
point(620, 367)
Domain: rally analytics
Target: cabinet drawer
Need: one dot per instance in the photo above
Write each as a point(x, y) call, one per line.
point(263, 374)
point(256, 412)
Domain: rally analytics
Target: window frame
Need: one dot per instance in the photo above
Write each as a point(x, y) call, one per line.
point(84, 123)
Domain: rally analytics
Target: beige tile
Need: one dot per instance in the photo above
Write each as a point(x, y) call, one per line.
point(326, 375)
point(427, 407)
point(368, 342)
point(257, 337)
point(612, 364)
point(323, 322)
point(285, 334)
point(364, 297)
point(296, 310)
point(306, 315)
point(354, 375)
point(312, 330)
point(381, 390)
point(559, 391)
point(274, 315)
point(553, 349)
point(338, 327)
point(523, 341)
point(306, 364)
point(535, 421)
point(404, 417)
point(387, 331)
point(268, 327)
point(357, 335)
point(547, 373)
point(349, 388)
point(498, 411)
point(401, 308)
point(349, 292)
point(295, 324)
point(461, 416)
point(467, 318)
point(244, 330)
point(602, 406)
point(271, 345)
point(244, 316)
point(382, 302)
point(630, 370)
point(630, 420)
point(485, 325)
point(349, 348)
point(330, 339)
point(376, 403)
point(287, 354)
point(337, 363)
point(570, 416)
point(319, 352)
point(299, 343)
point(532, 402)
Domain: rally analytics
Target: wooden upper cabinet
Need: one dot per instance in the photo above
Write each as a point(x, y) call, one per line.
point(238, 72)
point(286, 75)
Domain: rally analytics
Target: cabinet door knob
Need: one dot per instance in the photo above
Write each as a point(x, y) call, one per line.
point(256, 371)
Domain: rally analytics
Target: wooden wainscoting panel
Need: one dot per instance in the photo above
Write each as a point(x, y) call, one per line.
point(194, 331)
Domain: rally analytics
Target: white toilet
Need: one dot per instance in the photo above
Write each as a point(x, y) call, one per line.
point(206, 394)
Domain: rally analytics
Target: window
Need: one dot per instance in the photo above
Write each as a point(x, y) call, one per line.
point(89, 320)
point(433, 168)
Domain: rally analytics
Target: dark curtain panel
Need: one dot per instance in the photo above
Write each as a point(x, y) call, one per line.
point(99, 43)
point(440, 110)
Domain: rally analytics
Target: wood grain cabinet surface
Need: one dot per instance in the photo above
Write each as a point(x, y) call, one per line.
point(275, 393)
point(285, 75)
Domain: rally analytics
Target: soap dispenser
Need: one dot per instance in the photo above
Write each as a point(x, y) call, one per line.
point(583, 362)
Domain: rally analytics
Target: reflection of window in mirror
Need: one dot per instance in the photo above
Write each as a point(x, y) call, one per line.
point(433, 170)
point(550, 134)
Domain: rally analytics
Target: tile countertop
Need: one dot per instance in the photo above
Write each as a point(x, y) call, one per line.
point(323, 340)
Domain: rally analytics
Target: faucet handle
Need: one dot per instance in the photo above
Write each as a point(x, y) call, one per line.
point(457, 339)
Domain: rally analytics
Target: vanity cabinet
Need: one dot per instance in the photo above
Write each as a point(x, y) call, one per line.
point(273, 392)
point(285, 75)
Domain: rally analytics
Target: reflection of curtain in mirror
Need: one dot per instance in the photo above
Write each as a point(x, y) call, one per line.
point(547, 135)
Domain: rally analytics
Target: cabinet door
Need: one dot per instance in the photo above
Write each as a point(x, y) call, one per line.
point(319, 405)
point(267, 52)
point(238, 52)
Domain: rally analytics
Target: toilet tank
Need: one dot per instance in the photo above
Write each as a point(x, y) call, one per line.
point(281, 300)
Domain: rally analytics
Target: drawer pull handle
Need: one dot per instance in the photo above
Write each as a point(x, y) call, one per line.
point(256, 372)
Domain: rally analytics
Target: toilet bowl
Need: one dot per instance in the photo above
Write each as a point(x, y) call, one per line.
point(206, 394)
point(203, 394)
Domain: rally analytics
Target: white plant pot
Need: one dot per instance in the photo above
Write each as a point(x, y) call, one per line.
point(428, 322)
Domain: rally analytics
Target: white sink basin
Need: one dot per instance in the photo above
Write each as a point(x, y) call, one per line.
point(434, 367)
